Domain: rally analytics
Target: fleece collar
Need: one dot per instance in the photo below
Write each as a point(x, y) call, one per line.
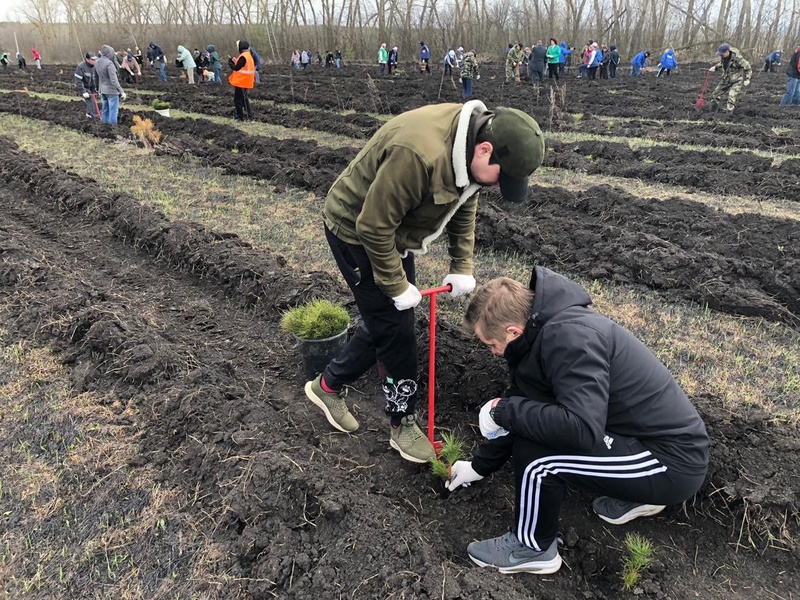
point(460, 167)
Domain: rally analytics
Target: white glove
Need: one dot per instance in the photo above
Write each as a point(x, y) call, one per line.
point(86, 95)
point(489, 428)
point(462, 474)
point(478, 77)
point(123, 96)
point(462, 284)
point(746, 83)
point(712, 69)
point(408, 299)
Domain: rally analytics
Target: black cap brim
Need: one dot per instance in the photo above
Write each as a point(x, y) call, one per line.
point(513, 189)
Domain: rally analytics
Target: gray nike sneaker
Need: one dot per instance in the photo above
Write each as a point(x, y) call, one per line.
point(509, 555)
point(618, 512)
point(332, 405)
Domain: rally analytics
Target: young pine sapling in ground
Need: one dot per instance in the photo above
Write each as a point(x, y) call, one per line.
point(640, 553)
point(452, 450)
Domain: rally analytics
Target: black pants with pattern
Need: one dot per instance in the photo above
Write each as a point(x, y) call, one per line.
point(386, 336)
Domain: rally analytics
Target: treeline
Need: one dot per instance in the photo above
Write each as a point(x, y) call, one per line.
point(62, 28)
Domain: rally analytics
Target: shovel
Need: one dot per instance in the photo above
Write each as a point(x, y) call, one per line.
point(437, 445)
point(698, 106)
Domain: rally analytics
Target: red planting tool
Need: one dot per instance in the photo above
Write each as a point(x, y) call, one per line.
point(437, 445)
point(698, 106)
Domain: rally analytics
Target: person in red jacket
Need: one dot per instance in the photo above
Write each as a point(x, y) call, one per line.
point(37, 58)
point(242, 79)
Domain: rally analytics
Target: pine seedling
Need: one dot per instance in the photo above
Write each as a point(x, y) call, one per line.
point(144, 130)
point(640, 553)
point(452, 450)
point(316, 320)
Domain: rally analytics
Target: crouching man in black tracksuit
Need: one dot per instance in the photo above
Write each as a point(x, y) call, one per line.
point(588, 405)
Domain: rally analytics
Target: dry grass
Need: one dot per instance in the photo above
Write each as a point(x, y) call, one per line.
point(644, 142)
point(734, 205)
point(741, 361)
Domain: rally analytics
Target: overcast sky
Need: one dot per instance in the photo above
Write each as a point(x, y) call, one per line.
point(8, 12)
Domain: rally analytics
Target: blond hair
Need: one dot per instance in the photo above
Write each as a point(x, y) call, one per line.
point(496, 305)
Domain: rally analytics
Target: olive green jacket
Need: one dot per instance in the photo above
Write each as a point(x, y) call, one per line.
point(406, 186)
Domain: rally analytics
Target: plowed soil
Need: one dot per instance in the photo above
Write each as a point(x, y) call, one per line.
point(181, 323)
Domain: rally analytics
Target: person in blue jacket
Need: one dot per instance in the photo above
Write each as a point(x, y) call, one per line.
point(668, 62)
point(424, 58)
point(256, 63)
point(565, 58)
point(774, 58)
point(639, 63)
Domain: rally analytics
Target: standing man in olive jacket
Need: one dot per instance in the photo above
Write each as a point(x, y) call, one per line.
point(588, 405)
point(418, 177)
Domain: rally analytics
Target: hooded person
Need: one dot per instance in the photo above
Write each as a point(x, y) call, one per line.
point(613, 62)
point(107, 84)
point(187, 63)
point(416, 178)
point(156, 56)
point(5, 61)
point(214, 63)
point(37, 58)
point(587, 405)
point(668, 62)
point(243, 79)
point(85, 84)
point(21, 62)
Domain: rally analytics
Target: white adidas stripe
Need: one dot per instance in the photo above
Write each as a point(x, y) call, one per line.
point(628, 467)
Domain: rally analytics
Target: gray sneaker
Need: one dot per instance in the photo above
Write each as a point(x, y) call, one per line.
point(410, 442)
point(509, 555)
point(618, 512)
point(332, 405)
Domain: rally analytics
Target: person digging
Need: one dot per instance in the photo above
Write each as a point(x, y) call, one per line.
point(736, 73)
point(418, 176)
point(588, 405)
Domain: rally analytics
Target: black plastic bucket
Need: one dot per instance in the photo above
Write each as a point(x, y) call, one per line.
point(318, 353)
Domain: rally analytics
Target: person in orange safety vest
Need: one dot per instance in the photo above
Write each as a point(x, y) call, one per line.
point(242, 79)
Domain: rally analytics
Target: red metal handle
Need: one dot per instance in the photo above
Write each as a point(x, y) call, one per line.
point(432, 356)
point(437, 290)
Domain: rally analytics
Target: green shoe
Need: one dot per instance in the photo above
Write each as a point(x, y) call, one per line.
point(332, 405)
point(410, 442)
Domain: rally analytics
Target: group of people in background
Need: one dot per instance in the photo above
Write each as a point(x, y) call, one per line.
point(22, 63)
point(302, 59)
point(97, 76)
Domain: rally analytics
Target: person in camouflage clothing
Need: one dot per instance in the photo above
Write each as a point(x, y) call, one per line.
point(469, 73)
point(736, 73)
point(513, 61)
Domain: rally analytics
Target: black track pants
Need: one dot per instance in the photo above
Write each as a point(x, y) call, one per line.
point(385, 335)
point(618, 467)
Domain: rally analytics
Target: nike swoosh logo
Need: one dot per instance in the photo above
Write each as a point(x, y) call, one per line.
point(514, 560)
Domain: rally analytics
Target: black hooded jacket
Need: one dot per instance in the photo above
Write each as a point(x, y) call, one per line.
point(576, 375)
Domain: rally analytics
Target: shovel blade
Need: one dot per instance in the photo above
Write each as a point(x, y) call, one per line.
point(698, 106)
